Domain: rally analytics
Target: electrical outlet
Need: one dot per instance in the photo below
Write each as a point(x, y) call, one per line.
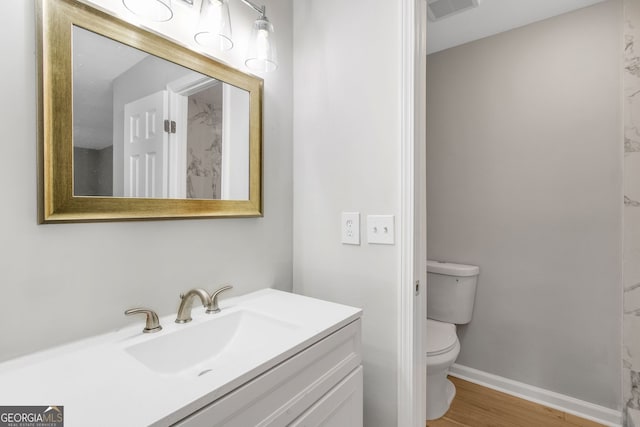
point(380, 229)
point(350, 227)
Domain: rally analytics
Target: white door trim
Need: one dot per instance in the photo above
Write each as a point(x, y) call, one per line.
point(412, 308)
point(192, 83)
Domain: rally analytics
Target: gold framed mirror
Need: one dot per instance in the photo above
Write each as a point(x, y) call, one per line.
point(132, 126)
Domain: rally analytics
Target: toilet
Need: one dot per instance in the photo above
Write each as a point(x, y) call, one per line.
point(451, 291)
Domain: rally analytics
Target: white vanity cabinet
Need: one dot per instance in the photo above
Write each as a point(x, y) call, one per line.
point(320, 385)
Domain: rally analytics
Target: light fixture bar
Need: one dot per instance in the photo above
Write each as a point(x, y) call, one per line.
point(260, 9)
point(213, 30)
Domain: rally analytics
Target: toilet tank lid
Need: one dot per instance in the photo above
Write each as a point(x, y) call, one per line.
point(452, 269)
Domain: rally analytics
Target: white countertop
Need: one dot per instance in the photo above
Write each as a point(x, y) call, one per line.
point(100, 384)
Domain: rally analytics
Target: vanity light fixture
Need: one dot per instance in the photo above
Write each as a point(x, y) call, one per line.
point(151, 10)
point(214, 31)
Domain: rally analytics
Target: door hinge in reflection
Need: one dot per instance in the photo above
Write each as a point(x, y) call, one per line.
point(417, 287)
point(170, 126)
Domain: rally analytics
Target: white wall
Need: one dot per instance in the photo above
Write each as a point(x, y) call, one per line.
point(346, 158)
point(67, 281)
point(524, 179)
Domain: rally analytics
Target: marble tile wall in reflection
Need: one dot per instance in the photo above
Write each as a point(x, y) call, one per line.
point(631, 269)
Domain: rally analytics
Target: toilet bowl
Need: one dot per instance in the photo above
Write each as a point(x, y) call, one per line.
point(443, 348)
point(451, 292)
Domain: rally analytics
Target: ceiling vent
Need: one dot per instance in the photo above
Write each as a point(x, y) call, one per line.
point(440, 9)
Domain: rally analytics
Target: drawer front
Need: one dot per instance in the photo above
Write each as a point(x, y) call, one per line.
point(280, 395)
point(340, 407)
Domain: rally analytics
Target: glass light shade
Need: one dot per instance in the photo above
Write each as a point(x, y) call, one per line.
point(150, 10)
point(262, 55)
point(214, 25)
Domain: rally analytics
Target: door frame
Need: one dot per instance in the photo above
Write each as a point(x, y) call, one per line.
point(411, 377)
point(179, 91)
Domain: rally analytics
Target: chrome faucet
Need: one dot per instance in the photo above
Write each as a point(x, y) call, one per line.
point(184, 311)
point(213, 306)
point(152, 325)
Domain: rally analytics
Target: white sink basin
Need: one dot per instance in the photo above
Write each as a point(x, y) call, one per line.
point(198, 349)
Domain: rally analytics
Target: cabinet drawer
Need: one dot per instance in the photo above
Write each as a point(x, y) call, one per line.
point(340, 407)
point(283, 393)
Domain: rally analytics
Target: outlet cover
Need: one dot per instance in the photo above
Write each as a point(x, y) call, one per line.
point(350, 227)
point(380, 229)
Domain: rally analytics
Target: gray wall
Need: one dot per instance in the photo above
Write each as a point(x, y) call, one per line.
point(67, 281)
point(524, 179)
point(104, 171)
point(93, 171)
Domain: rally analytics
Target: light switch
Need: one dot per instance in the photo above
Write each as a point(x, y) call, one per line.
point(380, 229)
point(350, 226)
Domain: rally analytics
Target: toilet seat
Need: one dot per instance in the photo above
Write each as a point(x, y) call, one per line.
point(441, 337)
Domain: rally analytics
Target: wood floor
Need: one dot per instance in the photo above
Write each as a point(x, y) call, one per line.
point(477, 406)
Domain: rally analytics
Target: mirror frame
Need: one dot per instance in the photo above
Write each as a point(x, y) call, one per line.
point(56, 201)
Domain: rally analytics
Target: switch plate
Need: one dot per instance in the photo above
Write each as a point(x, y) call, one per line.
point(380, 229)
point(350, 226)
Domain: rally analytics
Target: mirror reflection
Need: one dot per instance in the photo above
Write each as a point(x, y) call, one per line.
point(145, 127)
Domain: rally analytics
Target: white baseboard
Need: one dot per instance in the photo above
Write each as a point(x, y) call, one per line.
point(580, 408)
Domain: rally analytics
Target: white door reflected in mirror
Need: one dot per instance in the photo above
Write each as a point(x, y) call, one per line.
point(145, 147)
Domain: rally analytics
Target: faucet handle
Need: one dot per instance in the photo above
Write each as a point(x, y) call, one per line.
point(213, 307)
point(152, 325)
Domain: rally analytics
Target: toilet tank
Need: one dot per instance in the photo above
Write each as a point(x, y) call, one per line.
point(451, 291)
